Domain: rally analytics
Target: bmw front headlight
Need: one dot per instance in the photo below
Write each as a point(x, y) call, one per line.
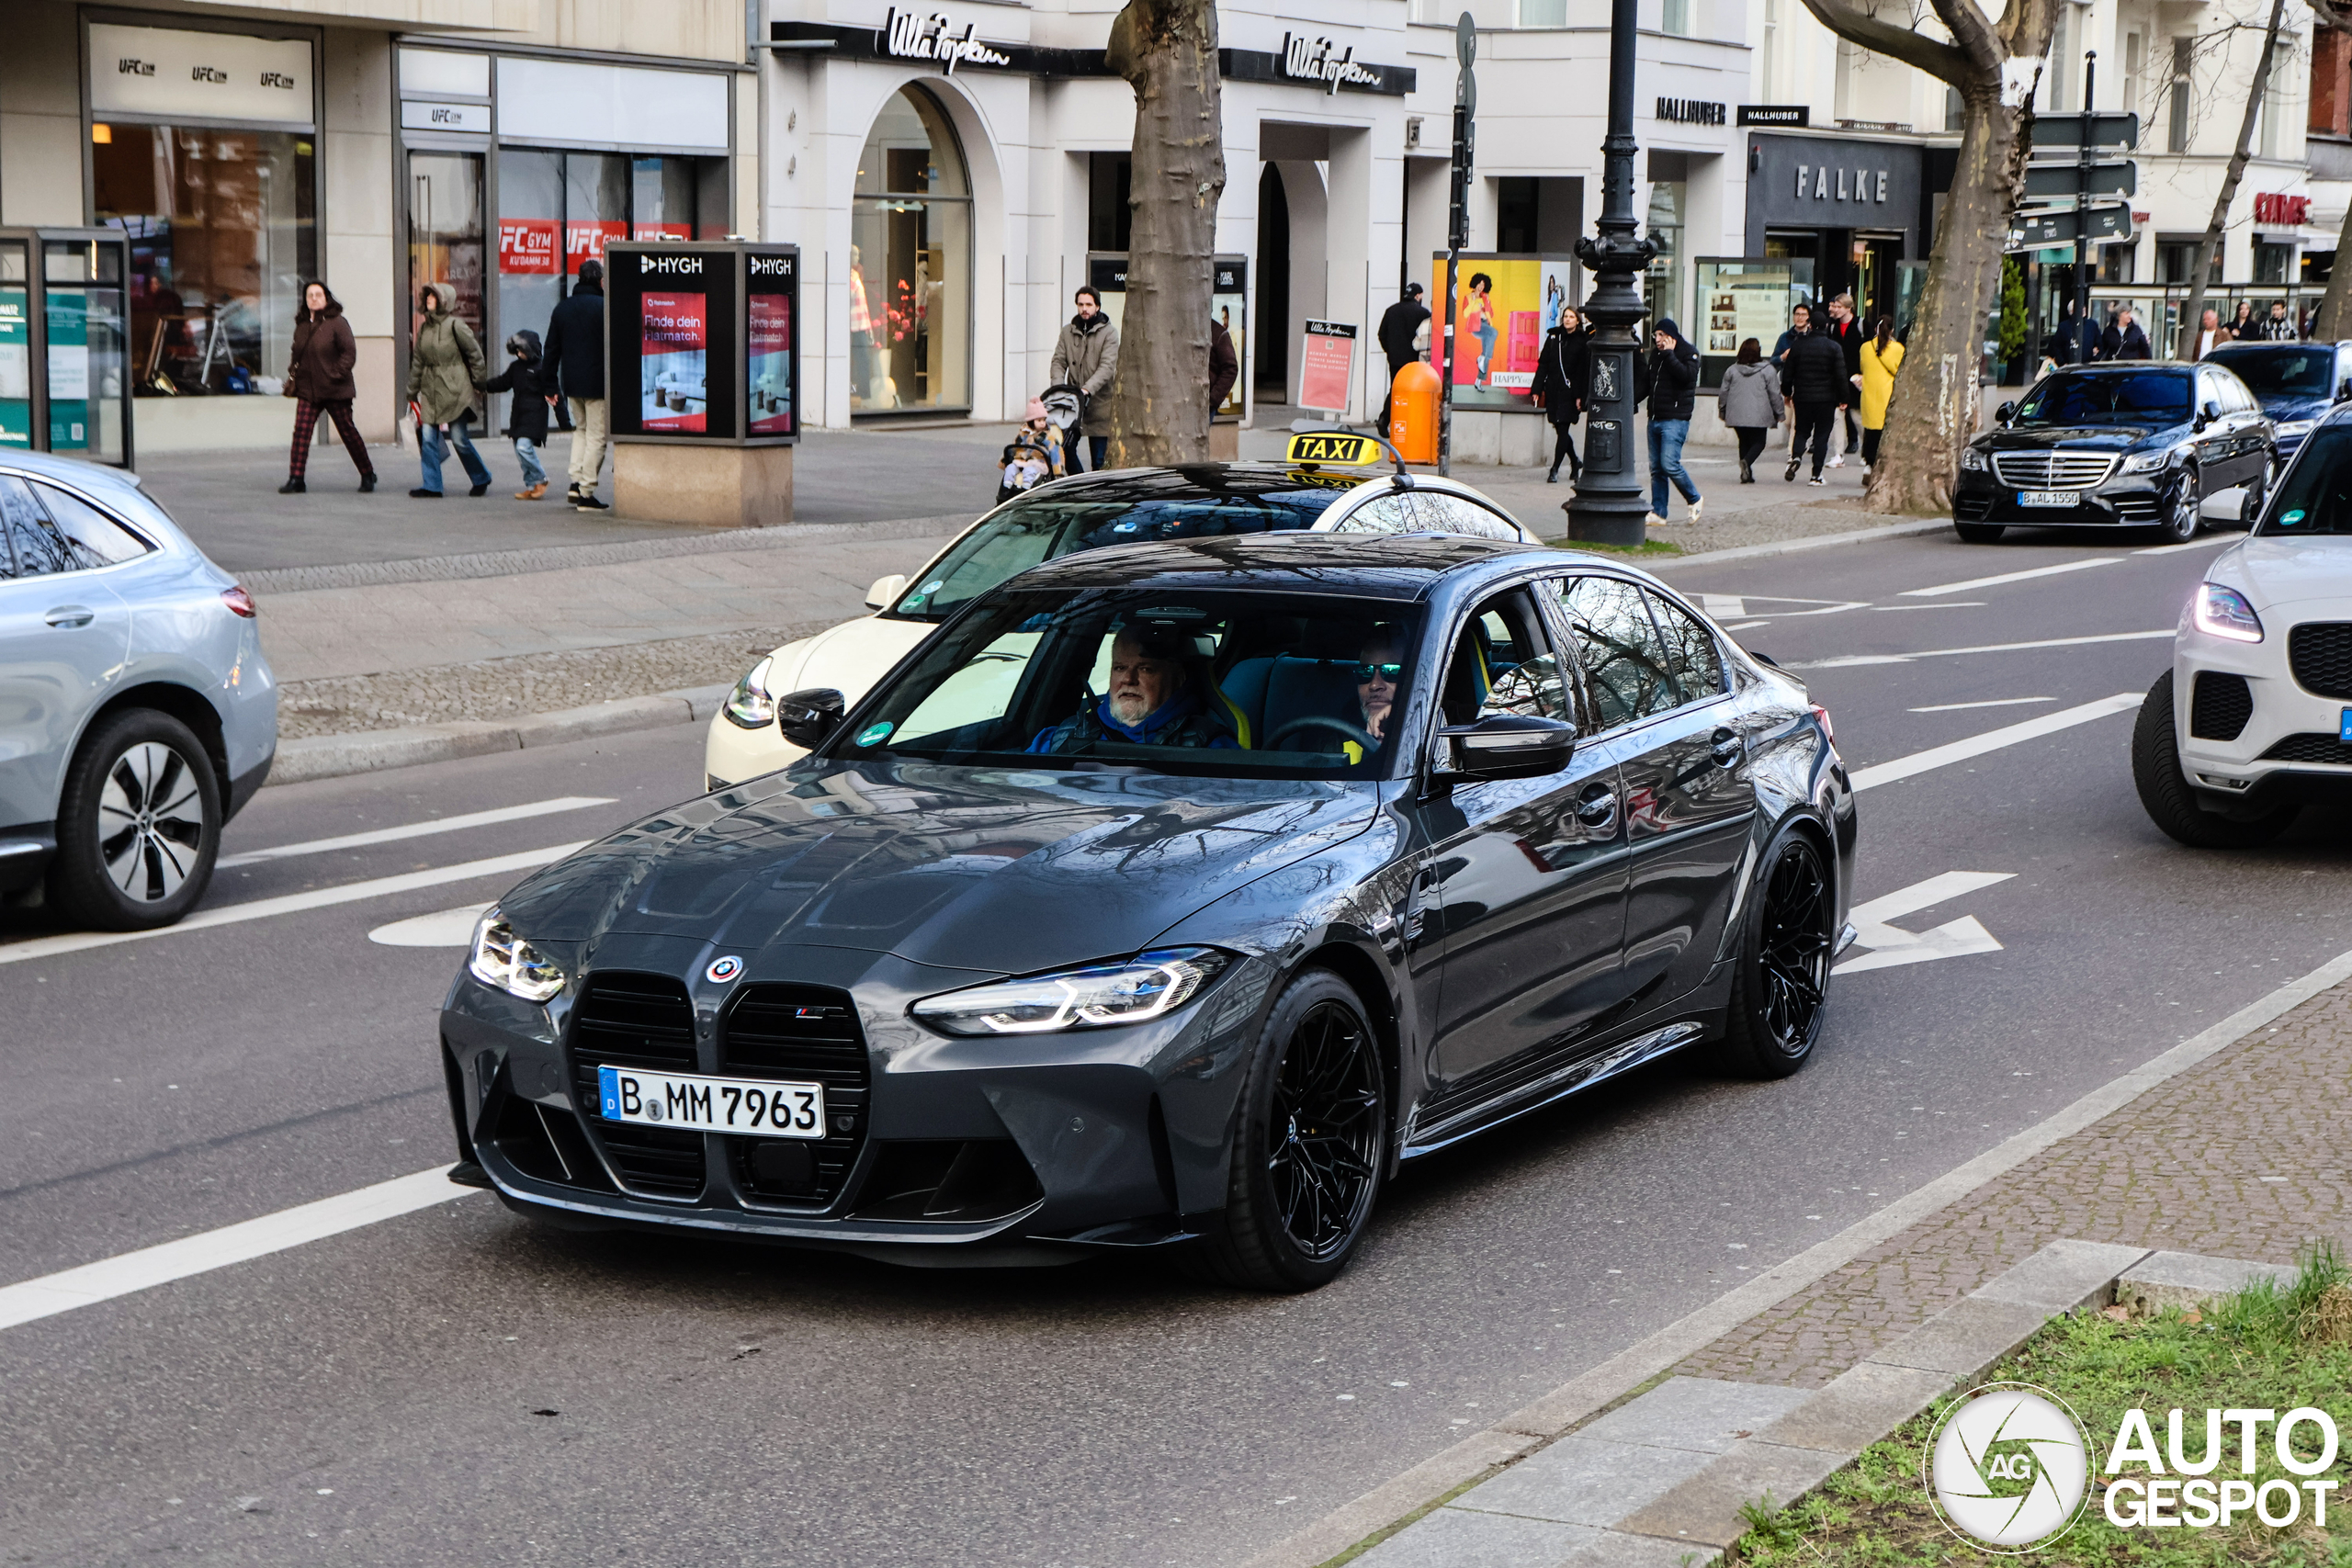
point(1973, 460)
point(751, 705)
point(505, 961)
point(2146, 462)
point(2224, 612)
point(1148, 986)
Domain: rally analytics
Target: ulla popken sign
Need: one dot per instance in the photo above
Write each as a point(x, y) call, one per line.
point(905, 35)
point(179, 74)
point(1318, 60)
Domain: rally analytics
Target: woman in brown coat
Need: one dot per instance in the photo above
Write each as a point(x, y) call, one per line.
point(317, 378)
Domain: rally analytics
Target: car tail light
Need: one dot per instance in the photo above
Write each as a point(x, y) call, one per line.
point(1827, 728)
point(239, 601)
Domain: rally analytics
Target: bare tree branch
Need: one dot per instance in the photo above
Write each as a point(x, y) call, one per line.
point(2192, 316)
point(1854, 25)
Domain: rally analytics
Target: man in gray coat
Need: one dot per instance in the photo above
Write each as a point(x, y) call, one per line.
point(1087, 357)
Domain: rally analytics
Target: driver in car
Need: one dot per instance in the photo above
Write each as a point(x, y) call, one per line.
point(1153, 701)
point(1380, 666)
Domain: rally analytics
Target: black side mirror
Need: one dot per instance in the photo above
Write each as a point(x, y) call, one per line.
point(808, 717)
point(2208, 414)
point(2004, 414)
point(1506, 746)
point(2344, 389)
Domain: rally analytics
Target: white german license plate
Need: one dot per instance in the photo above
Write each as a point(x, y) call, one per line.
point(761, 1106)
point(2050, 497)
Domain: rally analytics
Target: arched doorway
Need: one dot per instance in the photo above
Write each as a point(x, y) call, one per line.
point(911, 263)
point(1273, 314)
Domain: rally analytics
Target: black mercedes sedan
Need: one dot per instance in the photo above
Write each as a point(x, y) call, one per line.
point(1169, 895)
point(2136, 444)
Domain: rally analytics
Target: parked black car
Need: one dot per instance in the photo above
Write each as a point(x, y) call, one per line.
point(2296, 383)
point(2131, 443)
point(1170, 895)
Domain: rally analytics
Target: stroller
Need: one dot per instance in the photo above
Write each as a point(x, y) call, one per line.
point(1065, 406)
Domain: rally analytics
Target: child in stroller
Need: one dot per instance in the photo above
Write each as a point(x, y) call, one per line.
point(1033, 455)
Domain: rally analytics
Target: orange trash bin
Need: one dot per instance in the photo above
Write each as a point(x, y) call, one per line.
point(1412, 412)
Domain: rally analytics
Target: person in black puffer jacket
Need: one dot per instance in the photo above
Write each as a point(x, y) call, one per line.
point(526, 418)
point(1669, 380)
point(1813, 380)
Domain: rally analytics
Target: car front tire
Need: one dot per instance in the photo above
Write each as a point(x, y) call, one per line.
point(1781, 978)
point(138, 825)
point(2183, 510)
point(1309, 1147)
point(2164, 789)
point(1979, 532)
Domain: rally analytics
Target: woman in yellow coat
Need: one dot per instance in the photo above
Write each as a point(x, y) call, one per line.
point(1882, 357)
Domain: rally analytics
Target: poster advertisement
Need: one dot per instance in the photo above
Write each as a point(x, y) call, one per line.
point(1326, 368)
point(69, 370)
point(672, 345)
point(526, 245)
point(1229, 302)
point(586, 241)
point(1743, 299)
point(16, 369)
point(1503, 306)
point(770, 368)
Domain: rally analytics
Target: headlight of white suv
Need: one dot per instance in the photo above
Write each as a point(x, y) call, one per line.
point(1147, 986)
point(1972, 459)
point(2224, 612)
point(505, 960)
point(751, 705)
point(2145, 462)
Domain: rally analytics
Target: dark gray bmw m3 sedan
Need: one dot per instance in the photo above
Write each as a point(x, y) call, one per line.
point(1171, 896)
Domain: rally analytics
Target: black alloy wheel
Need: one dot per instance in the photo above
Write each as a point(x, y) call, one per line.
point(1310, 1144)
point(1780, 987)
point(138, 825)
point(1979, 532)
point(2180, 515)
point(2167, 796)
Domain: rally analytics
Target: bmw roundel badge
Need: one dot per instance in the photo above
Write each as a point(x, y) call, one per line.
point(722, 970)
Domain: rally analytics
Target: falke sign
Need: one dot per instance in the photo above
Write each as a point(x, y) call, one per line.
point(1313, 60)
point(2290, 210)
point(904, 35)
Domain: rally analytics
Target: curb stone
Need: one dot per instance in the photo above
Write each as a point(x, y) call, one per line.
point(371, 750)
point(1664, 1479)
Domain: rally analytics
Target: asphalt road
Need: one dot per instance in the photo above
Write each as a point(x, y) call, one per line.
point(454, 1386)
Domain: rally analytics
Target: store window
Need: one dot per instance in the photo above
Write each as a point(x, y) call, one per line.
point(2272, 262)
point(910, 262)
point(445, 231)
point(15, 347)
point(1662, 285)
point(559, 209)
point(223, 233)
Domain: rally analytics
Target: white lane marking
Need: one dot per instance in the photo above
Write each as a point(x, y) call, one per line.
point(1947, 604)
point(1943, 588)
point(1993, 740)
point(294, 903)
point(1723, 606)
point(2176, 549)
point(1890, 945)
point(1747, 626)
point(133, 1271)
point(418, 829)
point(1994, 702)
point(443, 928)
point(1849, 660)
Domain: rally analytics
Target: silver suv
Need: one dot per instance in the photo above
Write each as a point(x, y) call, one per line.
point(137, 715)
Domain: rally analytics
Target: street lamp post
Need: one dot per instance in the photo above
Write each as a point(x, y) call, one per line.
point(1608, 504)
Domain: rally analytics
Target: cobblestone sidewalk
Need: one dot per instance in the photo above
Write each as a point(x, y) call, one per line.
point(2240, 1156)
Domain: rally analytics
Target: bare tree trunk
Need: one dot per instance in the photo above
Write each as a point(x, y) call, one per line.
point(2336, 305)
point(1935, 406)
point(2192, 317)
point(1159, 403)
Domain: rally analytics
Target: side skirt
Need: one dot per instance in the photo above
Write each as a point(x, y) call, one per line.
point(1554, 1086)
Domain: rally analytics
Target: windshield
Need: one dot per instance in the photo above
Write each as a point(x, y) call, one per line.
point(2288, 370)
point(1224, 684)
point(2316, 497)
point(1046, 527)
point(2148, 397)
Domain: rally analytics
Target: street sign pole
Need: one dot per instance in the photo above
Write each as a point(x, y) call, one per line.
point(1457, 222)
point(2082, 156)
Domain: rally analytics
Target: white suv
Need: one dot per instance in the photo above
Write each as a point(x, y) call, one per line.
point(2254, 721)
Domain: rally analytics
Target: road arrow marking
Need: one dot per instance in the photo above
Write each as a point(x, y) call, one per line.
point(1890, 946)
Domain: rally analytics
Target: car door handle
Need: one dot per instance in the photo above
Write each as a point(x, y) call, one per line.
point(1597, 808)
point(1727, 748)
point(70, 615)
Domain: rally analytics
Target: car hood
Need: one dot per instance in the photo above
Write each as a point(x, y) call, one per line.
point(1005, 870)
point(848, 657)
point(2292, 411)
point(2271, 572)
point(2078, 438)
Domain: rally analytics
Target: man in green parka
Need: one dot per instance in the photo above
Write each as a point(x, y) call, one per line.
point(444, 370)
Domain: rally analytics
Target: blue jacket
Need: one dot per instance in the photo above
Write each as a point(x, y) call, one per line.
point(1180, 721)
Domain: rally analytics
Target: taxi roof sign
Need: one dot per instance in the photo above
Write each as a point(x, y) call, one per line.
point(1337, 447)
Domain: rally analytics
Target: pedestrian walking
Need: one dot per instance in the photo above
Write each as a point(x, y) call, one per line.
point(1849, 334)
point(526, 415)
point(2064, 345)
point(445, 368)
point(1400, 327)
point(1882, 357)
point(1751, 404)
point(1562, 382)
point(2123, 339)
point(1224, 366)
point(2279, 327)
point(1086, 357)
point(2242, 322)
point(317, 378)
point(572, 364)
point(2210, 334)
point(1814, 380)
point(1669, 378)
point(1800, 323)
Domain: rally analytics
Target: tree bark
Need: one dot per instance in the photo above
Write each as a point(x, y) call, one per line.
point(1934, 409)
point(2192, 317)
point(1159, 403)
point(2336, 306)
